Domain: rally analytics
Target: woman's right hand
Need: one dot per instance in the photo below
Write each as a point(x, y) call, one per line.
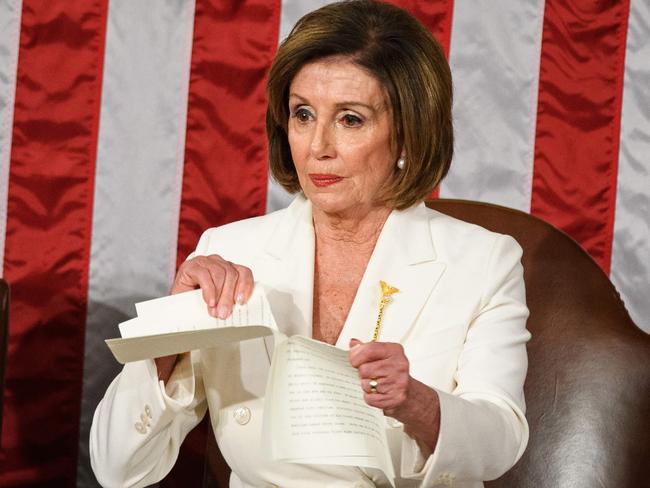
point(222, 284)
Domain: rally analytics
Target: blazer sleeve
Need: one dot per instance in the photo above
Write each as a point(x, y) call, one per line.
point(483, 429)
point(140, 423)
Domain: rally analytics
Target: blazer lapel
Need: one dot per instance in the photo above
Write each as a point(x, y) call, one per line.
point(405, 258)
point(287, 266)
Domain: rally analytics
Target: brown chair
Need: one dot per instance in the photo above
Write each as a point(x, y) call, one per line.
point(588, 384)
point(4, 332)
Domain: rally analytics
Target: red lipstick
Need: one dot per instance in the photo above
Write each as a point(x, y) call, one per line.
point(322, 180)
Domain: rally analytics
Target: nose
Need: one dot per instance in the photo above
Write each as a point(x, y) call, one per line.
point(322, 144)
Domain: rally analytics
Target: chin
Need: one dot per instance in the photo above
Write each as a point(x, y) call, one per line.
point(331, 202)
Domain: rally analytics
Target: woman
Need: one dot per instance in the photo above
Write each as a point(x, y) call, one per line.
point(359, 124)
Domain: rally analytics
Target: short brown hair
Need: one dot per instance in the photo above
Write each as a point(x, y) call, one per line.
point(410, 65)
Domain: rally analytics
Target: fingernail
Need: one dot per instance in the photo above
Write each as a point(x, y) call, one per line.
point(354, 342)
point(240, 299)
point(212, 303)
point(222, 312)
point(212, 311)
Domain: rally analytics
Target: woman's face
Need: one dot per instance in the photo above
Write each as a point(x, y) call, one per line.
point(340, 135)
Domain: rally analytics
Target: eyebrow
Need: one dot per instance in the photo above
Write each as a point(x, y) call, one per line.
point(350, 103)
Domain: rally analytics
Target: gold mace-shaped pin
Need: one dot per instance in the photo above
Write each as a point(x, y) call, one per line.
point(386, 292)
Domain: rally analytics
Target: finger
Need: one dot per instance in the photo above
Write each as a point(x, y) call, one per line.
point(184, 279)
point(245, 284)
point(354, 344)
point(201, 276)
point(380, 387)
point(375, 369)
point(385, 402)
point(191, 275)
point(384, 385)
point(227, 296)
point(385, 368)
point(180, 286)
point(374, 351)
point(217, 274)
point(203, 272)
point(378, 400)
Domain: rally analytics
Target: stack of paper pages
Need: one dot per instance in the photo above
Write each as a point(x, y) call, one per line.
point(181, 323)
point(314, 411)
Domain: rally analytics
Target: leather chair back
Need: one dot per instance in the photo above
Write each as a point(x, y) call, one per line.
point(588, 384)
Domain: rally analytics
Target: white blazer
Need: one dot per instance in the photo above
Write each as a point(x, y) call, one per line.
point(460, 315)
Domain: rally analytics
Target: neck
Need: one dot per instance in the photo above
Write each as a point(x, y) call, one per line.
point(360, 227)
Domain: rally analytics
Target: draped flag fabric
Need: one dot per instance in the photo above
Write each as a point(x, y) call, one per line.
point(128, 127)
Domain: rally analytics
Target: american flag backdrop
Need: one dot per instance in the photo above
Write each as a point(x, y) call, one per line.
point(129, 126)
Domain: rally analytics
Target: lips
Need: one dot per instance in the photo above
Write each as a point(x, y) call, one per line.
point(322, 180)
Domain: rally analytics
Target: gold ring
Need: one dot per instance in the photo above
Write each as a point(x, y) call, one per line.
point(373, 386)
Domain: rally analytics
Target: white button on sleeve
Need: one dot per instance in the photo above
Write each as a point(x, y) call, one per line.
point(242, 415)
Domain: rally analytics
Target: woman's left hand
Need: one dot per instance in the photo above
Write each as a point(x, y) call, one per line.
point(397, 393)
point(385, 363)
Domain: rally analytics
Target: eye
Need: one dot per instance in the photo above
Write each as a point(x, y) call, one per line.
point(302, 115)
point(351, 120)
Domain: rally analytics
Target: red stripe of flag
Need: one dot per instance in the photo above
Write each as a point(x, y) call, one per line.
point(226, 174)
point(226, 171)
point(48, 237)
point(578, 120)
point(437, 17)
